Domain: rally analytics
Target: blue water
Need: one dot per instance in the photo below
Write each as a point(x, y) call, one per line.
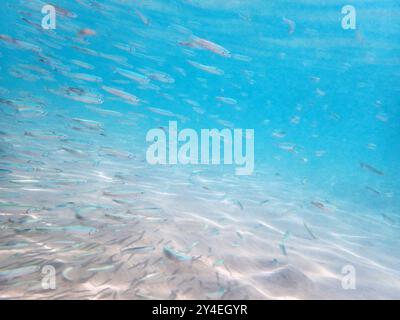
point(295, 76)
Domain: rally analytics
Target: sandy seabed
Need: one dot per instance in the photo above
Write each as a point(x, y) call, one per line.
point(122, 229)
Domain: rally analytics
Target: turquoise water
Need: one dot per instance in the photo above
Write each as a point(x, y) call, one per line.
point(77, 191)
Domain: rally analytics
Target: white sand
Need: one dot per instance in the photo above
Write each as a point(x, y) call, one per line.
point(222, 221)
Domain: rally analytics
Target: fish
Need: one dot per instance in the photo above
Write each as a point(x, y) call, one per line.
point(287, 146)
point(64, 12)
point(120, 154)
point(371, 168)
point(87, 32)
point(382, 117)
point(278, 133)
point(106, 267)
point(291, 24)
point(158, 76)
point(239, 204)
point(162, 112)
point(128, 97)
point(105, 112)
point(324, 206)
point(104, 294)
point(206, 68)
point(85, 77)
point(139, 78)
point(372, 190)
point(9, 274)
point(141, 249)
point(175, 255)
point(5, 204)
point(227, 100)
point(282, 244)
point(197, 42)
point(320, 153)
point(19, 44)
point(90, 124)
point(78, 94)
point(319, 205)
point(82, 64)
point(213, 231)
point(371, 146)
point(72, 228)
point(218, 262)
point(241, 57)
point(142, 17)
point(77, 190)
point(320, 92)
point(148, 276)
point(13, 244)
point(217, 294)
point(309, 231)
point(125, 47)
point(75, 152)
point(388, 219)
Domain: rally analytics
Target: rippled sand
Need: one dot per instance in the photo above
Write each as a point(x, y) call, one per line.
point(105, 228)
